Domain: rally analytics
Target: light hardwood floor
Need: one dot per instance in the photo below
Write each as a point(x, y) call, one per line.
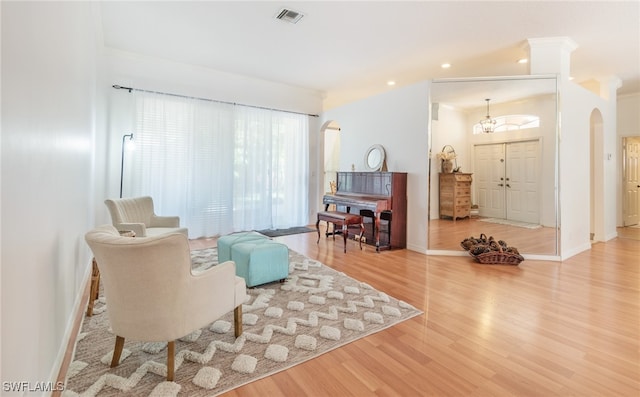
point(444, 234)
point(542, 328)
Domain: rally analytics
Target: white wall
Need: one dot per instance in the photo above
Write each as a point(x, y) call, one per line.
point(49, 98)
point(576, 107)
point(450, 128)
point(399, 121)
point(628, 117)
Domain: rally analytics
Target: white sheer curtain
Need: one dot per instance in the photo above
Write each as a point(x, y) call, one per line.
point(220, 167)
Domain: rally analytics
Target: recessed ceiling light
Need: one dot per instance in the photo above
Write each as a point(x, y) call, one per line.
point(523, 60)
point(391, 82)
point(445, 65)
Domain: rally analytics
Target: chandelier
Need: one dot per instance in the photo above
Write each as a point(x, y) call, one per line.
point(487, 124)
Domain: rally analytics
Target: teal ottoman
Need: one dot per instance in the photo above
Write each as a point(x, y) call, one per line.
point(260, 261)
point(226, 242)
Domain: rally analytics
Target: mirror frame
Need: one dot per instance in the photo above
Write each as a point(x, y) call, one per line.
point(375, 148)
point(556, 139)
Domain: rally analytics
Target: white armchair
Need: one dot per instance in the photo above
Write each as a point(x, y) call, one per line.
point(137, 214)
point(151, 293)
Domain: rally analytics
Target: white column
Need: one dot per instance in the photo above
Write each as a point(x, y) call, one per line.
point(609, 87)
point(612, 167)
point(551, 55)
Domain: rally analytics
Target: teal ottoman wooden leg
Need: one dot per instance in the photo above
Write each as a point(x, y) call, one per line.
point(261, 261)
point(226, 242)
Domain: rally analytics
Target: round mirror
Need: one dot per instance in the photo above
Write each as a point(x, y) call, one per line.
point(374, 158)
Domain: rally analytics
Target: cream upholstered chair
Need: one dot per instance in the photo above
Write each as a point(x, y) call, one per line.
point(137, 214)
point(151, 293)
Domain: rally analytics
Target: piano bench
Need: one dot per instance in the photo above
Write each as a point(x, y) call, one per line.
point(342, 219)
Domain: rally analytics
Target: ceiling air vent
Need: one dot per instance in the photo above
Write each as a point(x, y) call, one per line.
point(289, 15)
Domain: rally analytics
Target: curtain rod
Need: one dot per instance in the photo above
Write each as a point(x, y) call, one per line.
point(119, 87)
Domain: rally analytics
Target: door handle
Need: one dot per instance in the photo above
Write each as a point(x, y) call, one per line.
point(500, 184)
point(508, 185)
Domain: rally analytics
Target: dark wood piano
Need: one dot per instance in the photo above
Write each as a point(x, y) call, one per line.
point(382, 193)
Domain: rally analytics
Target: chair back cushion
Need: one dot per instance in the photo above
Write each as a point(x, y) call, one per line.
point(145, 281)
point(152, 294)
point(131, 210)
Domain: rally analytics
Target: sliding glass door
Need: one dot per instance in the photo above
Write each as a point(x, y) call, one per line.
point(220, 167)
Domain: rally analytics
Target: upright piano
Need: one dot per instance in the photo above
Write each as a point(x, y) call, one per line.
point(378, 192)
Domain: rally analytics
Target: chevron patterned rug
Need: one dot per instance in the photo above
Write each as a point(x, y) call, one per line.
point(317, 309)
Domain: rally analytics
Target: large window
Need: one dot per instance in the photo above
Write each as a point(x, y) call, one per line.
point(511, 122)
point(220, 167)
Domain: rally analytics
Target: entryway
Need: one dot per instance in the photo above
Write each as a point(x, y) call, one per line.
point(506, 179)
point(631, 181)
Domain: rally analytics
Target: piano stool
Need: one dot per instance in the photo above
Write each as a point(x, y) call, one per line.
point(342, 219)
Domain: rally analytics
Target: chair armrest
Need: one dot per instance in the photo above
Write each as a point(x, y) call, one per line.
point(164, 221)
point(138, 228)
point(212, 293)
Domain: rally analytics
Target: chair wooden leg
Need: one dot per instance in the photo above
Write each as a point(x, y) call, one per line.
point(117, 351)
point(171, 355)
point(96, 293)
point(94, 290)
point(237, 320)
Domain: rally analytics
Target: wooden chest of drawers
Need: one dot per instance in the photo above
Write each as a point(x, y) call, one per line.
point(455, 195)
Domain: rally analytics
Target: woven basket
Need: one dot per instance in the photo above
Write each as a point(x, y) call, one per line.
point(499, 258)
point(497, 255)
point(483, 238)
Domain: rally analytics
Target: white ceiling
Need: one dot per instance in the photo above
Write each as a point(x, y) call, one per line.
point(349, 50)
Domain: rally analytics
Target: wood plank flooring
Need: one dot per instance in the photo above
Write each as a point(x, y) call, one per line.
point(444, 234)
point(542, 328)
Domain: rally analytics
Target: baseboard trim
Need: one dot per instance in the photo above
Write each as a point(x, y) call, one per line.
point(67, 350)
point(568, 254)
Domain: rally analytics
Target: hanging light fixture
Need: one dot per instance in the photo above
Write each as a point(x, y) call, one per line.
point(487, 124)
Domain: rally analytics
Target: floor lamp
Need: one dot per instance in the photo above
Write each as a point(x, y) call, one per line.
point(130, 136)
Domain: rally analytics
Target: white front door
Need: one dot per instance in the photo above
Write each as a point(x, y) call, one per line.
point(488, 179)
point(506, 180)
point(631, 201)
point(521, 181)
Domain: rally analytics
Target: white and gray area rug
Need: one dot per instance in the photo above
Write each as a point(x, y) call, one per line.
point(315, 311)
